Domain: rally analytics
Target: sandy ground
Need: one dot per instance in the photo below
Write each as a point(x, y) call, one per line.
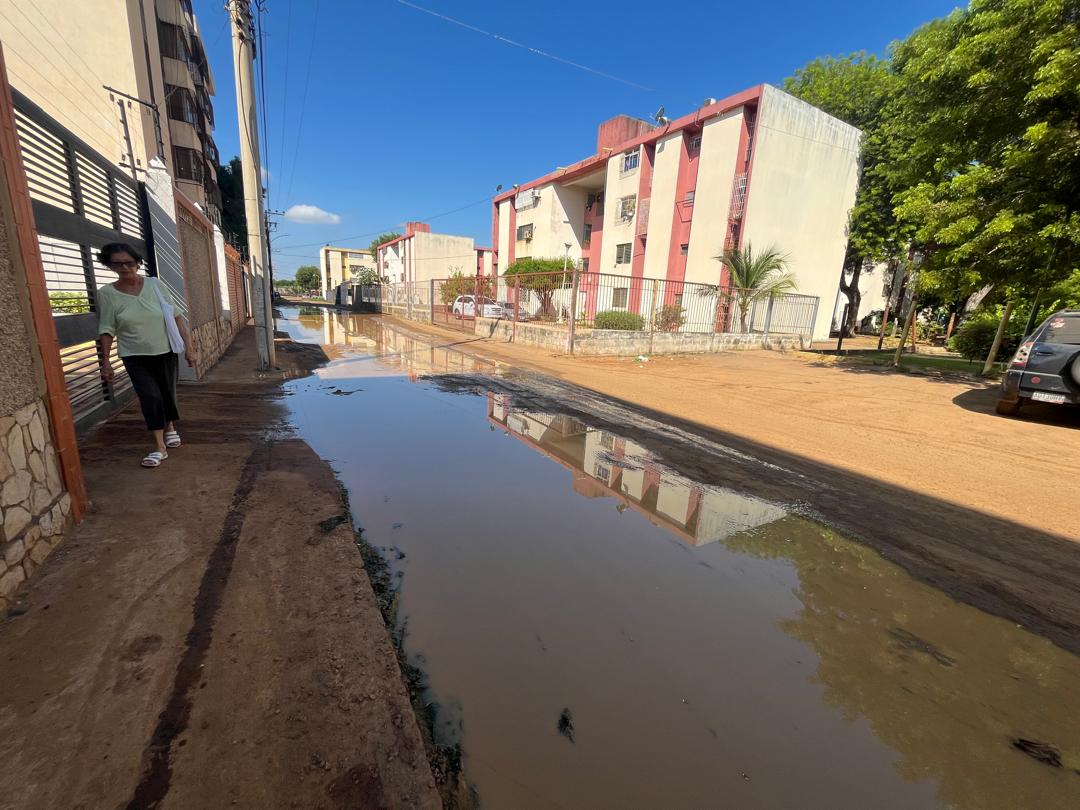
point(207, 637)
point(919, 467)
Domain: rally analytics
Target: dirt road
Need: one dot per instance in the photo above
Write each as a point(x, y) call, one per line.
point(918, 467)
point(208, 637)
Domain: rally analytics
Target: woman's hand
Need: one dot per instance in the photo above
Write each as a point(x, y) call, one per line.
point(189, 355)
point(107, 373)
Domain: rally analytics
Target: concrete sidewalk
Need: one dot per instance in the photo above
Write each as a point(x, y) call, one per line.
point(207, 637)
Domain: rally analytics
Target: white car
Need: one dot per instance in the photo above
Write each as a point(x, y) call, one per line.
point(465, 306)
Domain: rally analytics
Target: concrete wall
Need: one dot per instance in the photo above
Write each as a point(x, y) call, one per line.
point(802, 187)
point(712, 200)
point(612, 342)
point(616, 231)
point(439, 255)
point(662, 205)
point(504, 236)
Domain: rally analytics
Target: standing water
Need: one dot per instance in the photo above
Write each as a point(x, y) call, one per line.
point(601, 631)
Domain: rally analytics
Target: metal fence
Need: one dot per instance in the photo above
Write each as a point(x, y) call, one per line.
point(594, 301)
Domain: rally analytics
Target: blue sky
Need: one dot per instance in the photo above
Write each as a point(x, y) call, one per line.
point(408, 115)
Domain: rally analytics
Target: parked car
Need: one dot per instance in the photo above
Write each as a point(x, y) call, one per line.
point(1046, 367)
point(508, 308)
point(465, 306)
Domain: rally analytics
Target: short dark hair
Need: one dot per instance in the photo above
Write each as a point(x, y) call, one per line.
point(108, 251)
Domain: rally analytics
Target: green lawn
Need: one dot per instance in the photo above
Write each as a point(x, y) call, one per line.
point(927, 362)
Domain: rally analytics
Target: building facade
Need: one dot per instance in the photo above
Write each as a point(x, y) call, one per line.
point(341, 264)
point(79, 62)
point(760, 167)
point(421, 255)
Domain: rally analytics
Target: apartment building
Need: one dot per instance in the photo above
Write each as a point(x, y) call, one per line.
point(421, 255)
point(80, 63)
point(663, 201)
point(341, 264)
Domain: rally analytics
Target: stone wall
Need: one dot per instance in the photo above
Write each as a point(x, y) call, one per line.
point(36, 511)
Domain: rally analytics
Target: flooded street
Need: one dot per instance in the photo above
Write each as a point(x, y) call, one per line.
point(600, 629)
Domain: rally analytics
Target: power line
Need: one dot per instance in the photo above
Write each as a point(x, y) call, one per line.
point(264, 158)
point(525, 47)
point(285, 91)
point(303, 100)
point(389, 227)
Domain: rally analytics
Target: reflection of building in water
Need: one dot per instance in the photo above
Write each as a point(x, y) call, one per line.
point(606, 465)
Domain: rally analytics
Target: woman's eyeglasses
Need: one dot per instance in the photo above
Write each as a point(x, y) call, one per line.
point(121, 265)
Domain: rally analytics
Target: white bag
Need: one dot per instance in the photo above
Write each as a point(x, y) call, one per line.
point(176, 343)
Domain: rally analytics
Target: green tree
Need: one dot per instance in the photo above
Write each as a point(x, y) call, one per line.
point(69, 302)
point(230, 180)
point(308, 278)
point(860, 90)
point(540, 276)
point(990, 111)
point(381, 239)
point(756, 275)
point(368, 277)
point(460, 284)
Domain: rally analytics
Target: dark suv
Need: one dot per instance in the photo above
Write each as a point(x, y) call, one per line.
point(1046, 367)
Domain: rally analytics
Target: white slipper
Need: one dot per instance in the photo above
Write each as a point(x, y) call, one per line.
point(154, 458)
point(172, 439)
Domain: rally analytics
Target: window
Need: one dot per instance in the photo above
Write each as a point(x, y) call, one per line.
point(684, 248)
point(627, 206)
point(695, 144)
point(603, 471)
point(586, 240)
point(180, 104)
point(690, 197)
point(584, 265)
point(1062, 329)
point(607, 441)
point(630, 161)
point(524, 232)
point(619, 297)
point(622, 253)
point(188, 164)
point(171, 41)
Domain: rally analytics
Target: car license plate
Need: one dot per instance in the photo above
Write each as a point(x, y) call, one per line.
point(1042, 396)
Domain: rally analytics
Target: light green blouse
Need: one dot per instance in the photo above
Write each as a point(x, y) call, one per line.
point(136, 321)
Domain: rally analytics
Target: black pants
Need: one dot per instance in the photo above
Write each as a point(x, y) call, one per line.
point(154, 379)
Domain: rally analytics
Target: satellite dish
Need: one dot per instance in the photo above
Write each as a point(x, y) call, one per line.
point(516, 186)
point(498, 188)
point(659, 117)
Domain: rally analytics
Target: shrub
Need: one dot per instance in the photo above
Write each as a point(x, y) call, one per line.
point(69, 302)
point(616, 319)
point(976, 335)
point(670, 318)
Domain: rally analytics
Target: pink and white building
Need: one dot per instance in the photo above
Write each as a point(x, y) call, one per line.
point(421, 255)
point(663, 202)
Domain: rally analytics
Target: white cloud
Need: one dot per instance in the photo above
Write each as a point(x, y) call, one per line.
point(311, 215)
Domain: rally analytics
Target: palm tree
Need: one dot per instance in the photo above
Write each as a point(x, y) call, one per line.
point(756, 275)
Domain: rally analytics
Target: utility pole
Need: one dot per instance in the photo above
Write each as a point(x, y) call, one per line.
point(243, 38)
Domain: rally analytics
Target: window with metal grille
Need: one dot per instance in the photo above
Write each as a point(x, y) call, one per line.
point(627, 206)
point(695, 144)
point(584, 265)
point(619, 297)
point(524, 232)
point(738, 196)
point(180, 104)
point(622, 253)
point(171, 41)
point(684, 248)
point(630, 161)
point(586, 239)
point(188, 164)
point(690, 197)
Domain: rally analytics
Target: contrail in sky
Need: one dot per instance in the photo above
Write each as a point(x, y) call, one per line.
point(521, 45)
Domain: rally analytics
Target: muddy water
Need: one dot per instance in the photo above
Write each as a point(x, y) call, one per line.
point(601, 631)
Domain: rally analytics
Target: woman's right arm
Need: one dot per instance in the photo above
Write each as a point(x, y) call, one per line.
point(107, 372)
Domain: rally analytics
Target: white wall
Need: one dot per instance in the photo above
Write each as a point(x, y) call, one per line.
point(616, 231)
point(662, 205)
point(504, 235)
point(712, 200)
point(802, 187)
point(439, 255)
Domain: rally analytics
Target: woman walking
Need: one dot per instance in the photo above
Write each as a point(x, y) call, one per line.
point(140, 315)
